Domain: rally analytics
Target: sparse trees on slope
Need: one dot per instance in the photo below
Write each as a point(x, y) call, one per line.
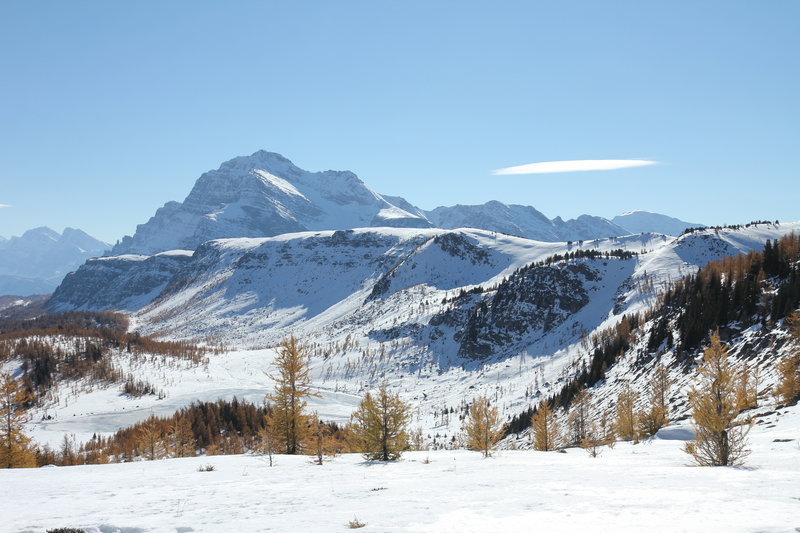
point(719, 441)
point(545, 429)
point(380, 423)
point(15, 446)
point(484, 426)
point(288, 420)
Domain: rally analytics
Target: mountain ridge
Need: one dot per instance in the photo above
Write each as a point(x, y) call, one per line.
point(265, 194)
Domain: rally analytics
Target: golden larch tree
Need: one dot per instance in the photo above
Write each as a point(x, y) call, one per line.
point(747, 388)
point(627, 423)
point(719, 440)
point(484, 426)
point(380, 423)
point(15, 446)
point(181, 441)
point(288, 419)
point(545, 429)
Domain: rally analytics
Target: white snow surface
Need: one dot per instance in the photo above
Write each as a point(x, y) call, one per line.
point(645, 487)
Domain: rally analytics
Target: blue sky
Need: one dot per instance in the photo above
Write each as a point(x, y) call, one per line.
point(110, 109)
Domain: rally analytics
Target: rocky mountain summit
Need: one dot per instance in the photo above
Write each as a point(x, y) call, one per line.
point(263, 195)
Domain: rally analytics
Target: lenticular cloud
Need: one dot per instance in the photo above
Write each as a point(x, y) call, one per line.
point(550, 167)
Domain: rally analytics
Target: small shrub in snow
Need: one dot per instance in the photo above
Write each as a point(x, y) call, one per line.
point(206, 468)
point(355, 523)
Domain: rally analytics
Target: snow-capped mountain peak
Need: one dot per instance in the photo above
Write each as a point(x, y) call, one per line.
point(263, 195)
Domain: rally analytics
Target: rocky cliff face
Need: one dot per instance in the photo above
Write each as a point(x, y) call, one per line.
point(124, 283)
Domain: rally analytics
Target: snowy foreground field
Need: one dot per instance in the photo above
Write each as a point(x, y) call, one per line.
point(644, 487)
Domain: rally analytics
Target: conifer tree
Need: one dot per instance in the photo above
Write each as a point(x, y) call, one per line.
point(267, 439)
point(322, 440)
point(578, 421)
point(15, 446)
point(181, 438)
point(719, 441)
point(747, 388)
point(788, 388)
point(655, 417)
point(289, 421)
point(626, 423)
point(596, 437)
point(484, 426)
point(151, 441)
point(545, 429)
point(380, 422)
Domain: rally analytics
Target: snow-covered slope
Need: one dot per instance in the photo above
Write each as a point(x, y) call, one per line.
point(646, 222)
point(37, 261)
point(260, 196)
point(328, 282)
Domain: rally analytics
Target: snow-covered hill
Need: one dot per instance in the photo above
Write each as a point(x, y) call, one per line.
point(263, 195)
point(646, 222)
point(37, 261)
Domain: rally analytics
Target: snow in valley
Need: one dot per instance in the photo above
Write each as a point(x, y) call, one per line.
point(644, 487)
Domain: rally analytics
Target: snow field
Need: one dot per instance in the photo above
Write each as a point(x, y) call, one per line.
point(644, 487)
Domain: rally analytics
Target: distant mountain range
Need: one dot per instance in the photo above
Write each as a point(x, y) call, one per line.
point(645, 222)
point(265, 194)
point(36, 262)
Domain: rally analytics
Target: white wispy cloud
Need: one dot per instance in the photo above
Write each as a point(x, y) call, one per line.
point(550, 167)
point(4, 205)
